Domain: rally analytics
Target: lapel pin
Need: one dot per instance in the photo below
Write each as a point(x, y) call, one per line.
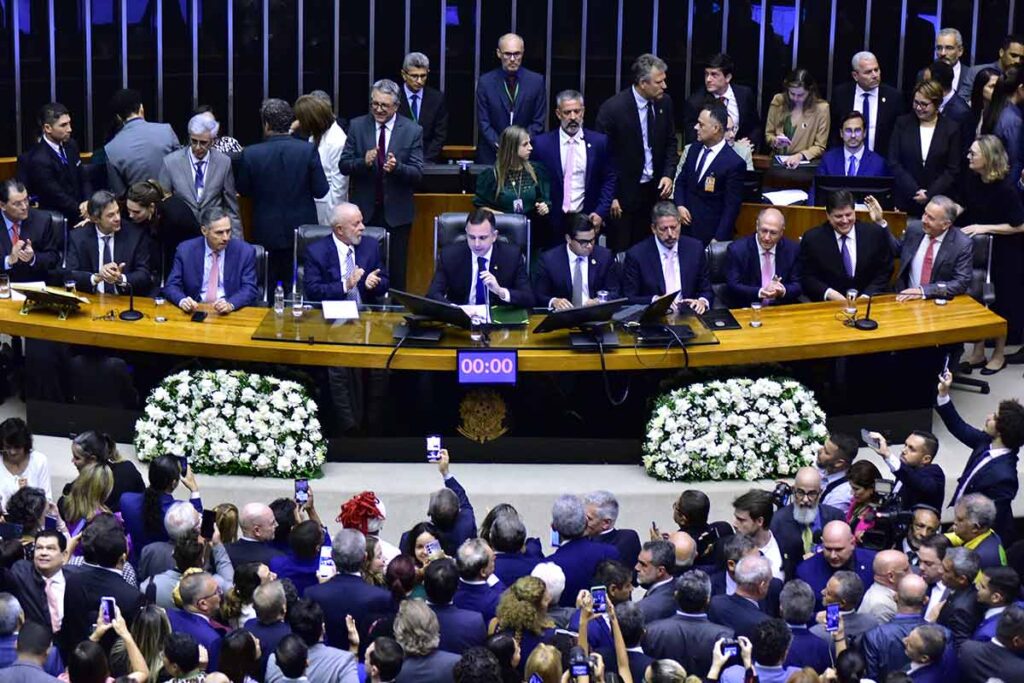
point(593, 261)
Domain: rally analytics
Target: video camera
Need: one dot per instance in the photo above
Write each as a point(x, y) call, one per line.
point(891, 520)
point(782, 494)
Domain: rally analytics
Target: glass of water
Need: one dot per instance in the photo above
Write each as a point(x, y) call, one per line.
point(5, 286)
point(755, 314)
point(69, 285)
point(602, 296)
point(297, 305)
point(941, 293)
point(851, 302)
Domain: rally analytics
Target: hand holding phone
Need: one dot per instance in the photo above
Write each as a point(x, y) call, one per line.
point(730, 647)
point(301, 492)
point(433, 549)
point(106, 614)
point(832, 617)
point(198, 316)
point(209, 524)
point(872, 442)
point(183, 462)
point(600, 596)
point(434, 448)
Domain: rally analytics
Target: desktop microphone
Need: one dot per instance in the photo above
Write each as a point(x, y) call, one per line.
point(866, 323)
point(131, 315)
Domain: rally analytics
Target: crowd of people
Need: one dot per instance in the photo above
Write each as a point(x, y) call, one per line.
point(834, 577)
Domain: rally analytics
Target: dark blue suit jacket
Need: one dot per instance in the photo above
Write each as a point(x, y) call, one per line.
point(302, 573)
point(642, 277)
point(922, 485)
point(348, 594)
point(770, 604)
point(200, 629)
point(282, 176)
point(133, 515)
point(555, 281)
point(816, 571)
point(997, 479)
point(599, 183)
point(789, 535)
point(322, 270)
point(807, 649)
point(461, 629)
point(578, 559)
point(743, 270)
point(512, 566)
point(638, 662)
point(882, 646)
point(659, 602)
point(269, 636)
point(238, 273)
point(131, 247)
point(464, 527)
point(479, 597)
point(713, 212)
point(451, 278)
point(626, 541)
point(833, 162)
point(736, 612)
point(599, 633)
point(495, 112)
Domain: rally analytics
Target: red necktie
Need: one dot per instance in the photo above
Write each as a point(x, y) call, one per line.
point(381, 154)
point(929, 259)
point(16, 231)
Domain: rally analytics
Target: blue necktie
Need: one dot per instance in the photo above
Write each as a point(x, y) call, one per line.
point(852, 168)
point(700, 162)
point(350, 265)
point(415, 107)
point(63, 156)
point(847, 260)
point(867, 120)
point(481, 289)
point(199, 177)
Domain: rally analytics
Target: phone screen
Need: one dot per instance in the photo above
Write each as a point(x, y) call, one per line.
point(107, 609)
point(433, 548)
point(301, 491)
point(730, 648)
point(832, 618)
point(326, 567)
point(866, 437)
point(433, 448)
point(183, 461)
point(600, 595)
point(199, 316)
point(556, 540)
point(209, 524)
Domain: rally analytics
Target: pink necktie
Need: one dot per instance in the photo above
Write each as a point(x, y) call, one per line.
point(211, 286)
point(766, 269)
point(51, 603)
point(570, 163)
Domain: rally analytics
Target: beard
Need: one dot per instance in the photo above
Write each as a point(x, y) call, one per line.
point(804, 516)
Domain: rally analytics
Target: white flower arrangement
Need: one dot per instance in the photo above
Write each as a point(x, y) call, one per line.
point(733, 429)
point(233, 422)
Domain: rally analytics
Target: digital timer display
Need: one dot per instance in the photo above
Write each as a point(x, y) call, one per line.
point(487, 366)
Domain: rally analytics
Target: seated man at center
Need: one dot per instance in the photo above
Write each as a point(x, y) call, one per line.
point(667, 262)
point(483, 270)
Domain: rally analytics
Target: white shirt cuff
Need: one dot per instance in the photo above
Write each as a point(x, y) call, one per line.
point(942, 400)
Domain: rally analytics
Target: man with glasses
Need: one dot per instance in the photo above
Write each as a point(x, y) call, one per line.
point(763, 267)
point(924, 523)
point(853, 158)
point(510, 95)
point(571, 276)
point(797, 527)
point(28, 246)
point(202, 176)
point(383, 158)
point(424, 105)
point(201, 597)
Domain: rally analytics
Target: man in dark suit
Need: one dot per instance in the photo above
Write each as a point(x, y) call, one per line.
point(924, 523)
point(797, 527)
point(764, 267)
point(797, 610)
point(851, 158)
point(269, 625)
point(571, 276)
point(577, 555)
point(51, 168)
point(934, 252)
point(992, 468)
point(998, 588)
point(28, 246)
point(461, 629)
point(654, 572)
point(631, 624)
point(882, 646)
point(482, 268)
point(214, 269)
point(973, 518)
point(688, 636)
point(752, 517)
point(920, 481)
point(109, 256)
point(844, 254)
point(740, 611)
point(709, 188)
point(383, 158)
point(738, 100)
point(732, 549)
point(667, 262)
point(345, 264)
point(953, 107)
point(640, 126)
point(838, 552)
point(479, 589)
point(579, 164)
point(511, 561)
point(424, 105)
point(105, 551)
point(999, 659)
point(137, 152)
point(1011, 51)
point(200, 599)
point(846, 589)
point(347, 594)
point(283, 176)
point(925, 647)
point(33, 582)
point(508, 96)
point(602, 510)
point(617, 579)
point(449, 510)
point(960, 610)
point(257, 526)
point(879, 103)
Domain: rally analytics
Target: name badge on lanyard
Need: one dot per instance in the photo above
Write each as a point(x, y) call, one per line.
point(709, 183)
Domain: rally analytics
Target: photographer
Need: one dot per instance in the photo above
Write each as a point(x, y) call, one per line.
point(770, 645)
point(919, 481)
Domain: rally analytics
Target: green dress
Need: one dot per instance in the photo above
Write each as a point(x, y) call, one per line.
point(519, 185)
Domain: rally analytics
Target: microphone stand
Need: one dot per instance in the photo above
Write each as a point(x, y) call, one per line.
point(131, 315)
point(866, 323)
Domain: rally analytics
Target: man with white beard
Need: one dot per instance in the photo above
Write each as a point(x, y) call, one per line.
point(797, 527)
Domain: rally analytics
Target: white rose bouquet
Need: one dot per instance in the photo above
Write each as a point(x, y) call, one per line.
point(733, 429)
point(233, 422)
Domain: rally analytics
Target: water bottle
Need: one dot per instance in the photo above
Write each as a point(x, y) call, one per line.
point(279, 300)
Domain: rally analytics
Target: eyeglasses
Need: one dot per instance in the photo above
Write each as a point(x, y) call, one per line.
point(512, 55)
point(584, 243)
point(202, 144)
point(381, 106)
point(809, 495)
point(109, 315)
point(216, 594)
point(918, 104)
point(415, 77)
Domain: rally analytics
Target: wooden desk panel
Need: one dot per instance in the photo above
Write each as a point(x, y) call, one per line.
point(789, 333)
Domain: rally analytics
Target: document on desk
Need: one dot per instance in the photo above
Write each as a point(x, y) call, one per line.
point(786, 197)
point(480, 312)
point(341, 310)
point(18, 296)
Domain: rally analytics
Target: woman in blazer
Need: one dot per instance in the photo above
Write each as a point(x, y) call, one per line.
point(798, 120)
point(924, 152)
point(315, 117)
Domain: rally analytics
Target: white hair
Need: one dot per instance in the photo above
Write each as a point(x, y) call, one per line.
point(553, 577)
point(861, 56)
point(203, 123)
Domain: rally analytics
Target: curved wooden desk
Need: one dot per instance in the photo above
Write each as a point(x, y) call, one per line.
point(798, 332)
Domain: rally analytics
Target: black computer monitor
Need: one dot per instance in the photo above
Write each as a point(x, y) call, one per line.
point(431, 310)
point(572, 318)
point(880, 187)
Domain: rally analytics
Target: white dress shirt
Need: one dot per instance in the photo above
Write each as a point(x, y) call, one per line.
point(101, 286)
point(927, 133)
point(641, 107)
point(669, 266)
point(709, 159)
point(773, 553)
point(732, 106)
point(918, 262)
point(992, 454)
point(36, 474)
point(858, 105)
point(851, 246)
point(579, 166)
point(389, 128)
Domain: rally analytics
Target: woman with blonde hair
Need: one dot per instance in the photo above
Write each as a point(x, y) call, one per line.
point(150, 630)
point(798, 120)
point(227, 522)
point(316, 119)
point(513, 184)
point(523, 613)
point(86, 498)
point(993, 207)
point(667, 671)
point(544, 663)
point(91, 447)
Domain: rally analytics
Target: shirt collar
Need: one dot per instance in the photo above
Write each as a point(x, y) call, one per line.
point(641, 101)
point(572, 259)
point(410, 93)
point(994, 611)
point(486, 257)
point(53, 145)
point(663, 250)
point(389, 124)
point(827, 479)
point(729, 95)
point(660, 583)
point(112, 570)
point(563, 137)
point(99, 233)
point(861, 91)
point(341, 245)
point(858, 155)
point(851, 237)
point(207, 250)
point(192, 157)
point(761, 249)
point(472, 583)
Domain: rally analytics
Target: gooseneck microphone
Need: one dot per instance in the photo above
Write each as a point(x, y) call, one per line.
point(866, 323)
point(131, 315)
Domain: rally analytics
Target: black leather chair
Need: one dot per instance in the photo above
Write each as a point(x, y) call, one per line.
point(307, 234)
point(983, 291)
point(450, 228)
point(262, 273)
point(715, 254)
point(59, 226)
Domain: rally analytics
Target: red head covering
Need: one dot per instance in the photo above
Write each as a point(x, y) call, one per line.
point(358, 510)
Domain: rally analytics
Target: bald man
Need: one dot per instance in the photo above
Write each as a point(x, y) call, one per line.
point(890, 566)
point(257, 525)
point(838, 552)
point(510, 95)
point(882, 646)
point(764, 266)
point(797, 527)
point(686, 551)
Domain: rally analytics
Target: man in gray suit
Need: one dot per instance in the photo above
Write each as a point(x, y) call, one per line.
point(202, 176)
point(383, 158)
point(137, 151)
point(933, 252)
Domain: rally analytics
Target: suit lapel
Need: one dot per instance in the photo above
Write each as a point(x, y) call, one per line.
point(590, 163)
point(563, 269)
